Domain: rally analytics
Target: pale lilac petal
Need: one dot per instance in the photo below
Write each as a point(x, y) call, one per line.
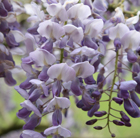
point(18, 35)
point(27, 68)
point(69, 28)
point(27, 104)
point(61, 102)
point(36, 82)
point(83, 69)
point(94, 28)
point(118, 15)
point(1, 37)
point(51, 130)
point(83, 51)
point(131, 40)
point(50, 29)
point(22, 92)
point(128, 85)
point(100, 5)
point(62, 72)
point(42, 57)
point(61, 131)
point(79, 11)
point(64, 132)
point(45, 29)
point(58, 11)
point(118, 31)
point(134, 19)
point(32, 134)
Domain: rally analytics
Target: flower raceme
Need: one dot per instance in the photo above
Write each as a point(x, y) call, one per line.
point(67, 42)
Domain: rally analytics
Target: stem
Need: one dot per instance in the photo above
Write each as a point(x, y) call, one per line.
point(115, 116)
point(115, 110)
point(61, 56)
point(109, 105)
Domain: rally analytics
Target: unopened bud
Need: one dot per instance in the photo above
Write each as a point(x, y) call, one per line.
point(124, 117)
point(98, 127)
point(118, 100)
point(113, 135)
point(100, 113)
point(91, 122)
point(118, 123)
point(127, 124)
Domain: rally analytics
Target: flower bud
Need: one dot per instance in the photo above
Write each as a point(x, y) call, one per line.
point(96, 94)
point(98, 127)
point(100, 113)
point(118, 123)
point(117, 43)
point(113, 135)
point(118, 100)
point(80, 104)
point(91, 122)
point(127, 124)
point(131, 56)
point(124, 117)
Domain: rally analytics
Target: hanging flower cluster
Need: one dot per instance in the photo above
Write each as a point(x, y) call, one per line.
point(10, 36)
point(68, 41)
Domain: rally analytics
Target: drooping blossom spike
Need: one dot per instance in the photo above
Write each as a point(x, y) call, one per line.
point(31, 107)
point(56, 103)
point(42, 57)
point(61, 72)
point(59, 130)
point(131, 108)
point(31, 134)
point(128, 85)
point(83, 69)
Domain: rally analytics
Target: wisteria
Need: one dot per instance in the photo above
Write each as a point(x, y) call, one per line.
point(80, 49)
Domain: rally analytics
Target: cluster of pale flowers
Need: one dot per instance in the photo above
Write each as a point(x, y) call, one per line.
point(66, 43)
